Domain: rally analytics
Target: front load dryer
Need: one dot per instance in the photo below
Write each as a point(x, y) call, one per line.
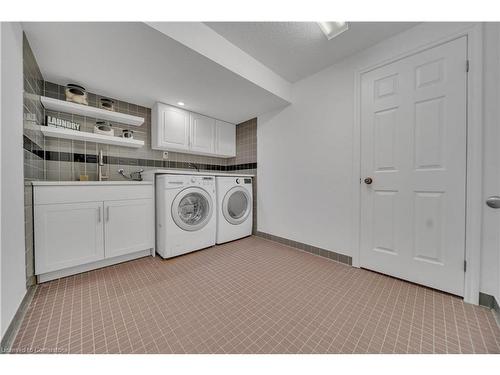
point(185, 214)
point(234, 208)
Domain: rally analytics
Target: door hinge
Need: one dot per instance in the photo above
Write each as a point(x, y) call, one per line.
point(467, 66)
point(465, 266)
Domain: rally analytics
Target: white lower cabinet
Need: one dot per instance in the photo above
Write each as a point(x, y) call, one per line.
point(68, 235)
point(72, 237)
point(128, 226)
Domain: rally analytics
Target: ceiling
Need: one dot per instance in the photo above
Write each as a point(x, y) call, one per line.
point(136, 63)
point(295, 50)
point(195, 62)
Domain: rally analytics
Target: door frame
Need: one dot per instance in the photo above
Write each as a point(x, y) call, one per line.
point(474, 35)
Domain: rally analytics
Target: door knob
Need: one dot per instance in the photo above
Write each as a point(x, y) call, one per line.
point(368, 180)
point(493, 201)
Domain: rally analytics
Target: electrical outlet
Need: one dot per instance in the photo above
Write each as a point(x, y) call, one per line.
point(165, 155)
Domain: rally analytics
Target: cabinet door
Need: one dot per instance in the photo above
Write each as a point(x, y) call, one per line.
point(172, 128)
point(128, 226)
point(68, 235)
point(225, 143)
point(202, 134)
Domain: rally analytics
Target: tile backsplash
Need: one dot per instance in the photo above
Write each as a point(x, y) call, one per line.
point(67, 159)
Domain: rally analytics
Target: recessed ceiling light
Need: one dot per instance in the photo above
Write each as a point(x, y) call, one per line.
point(180, 103)
point(333, 29)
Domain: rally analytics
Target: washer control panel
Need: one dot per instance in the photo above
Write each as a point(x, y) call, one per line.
point(180, 181)
point(202, 180)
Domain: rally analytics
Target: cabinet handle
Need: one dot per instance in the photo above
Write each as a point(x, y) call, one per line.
point(107, 213)
point(99, 214)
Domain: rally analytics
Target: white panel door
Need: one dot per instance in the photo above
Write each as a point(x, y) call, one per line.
point(173, 128)
point(225, 143)
point(202, 134)
point(413, 147)
point(68, 235)
point(129, 226)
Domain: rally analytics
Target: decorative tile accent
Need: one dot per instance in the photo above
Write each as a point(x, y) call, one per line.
point(310, 249)
point(249, 296)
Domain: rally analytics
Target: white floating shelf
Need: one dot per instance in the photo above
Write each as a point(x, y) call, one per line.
point(85, 110)
point(75, 135)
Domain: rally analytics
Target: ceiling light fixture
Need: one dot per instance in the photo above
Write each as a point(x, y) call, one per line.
point(333, 29)
point(180, 103)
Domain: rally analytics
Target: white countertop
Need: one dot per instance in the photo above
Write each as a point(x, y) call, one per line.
point(193, 172)
point(89, 183)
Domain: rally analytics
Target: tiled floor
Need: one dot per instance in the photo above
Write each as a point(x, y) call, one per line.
point(249, 296)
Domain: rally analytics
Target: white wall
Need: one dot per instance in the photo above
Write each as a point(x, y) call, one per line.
point(13, 278)
point(305, 151)
point(1, 331)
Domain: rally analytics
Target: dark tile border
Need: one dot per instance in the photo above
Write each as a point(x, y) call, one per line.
point(490, 302)
point(308, 248)
point(30, 146)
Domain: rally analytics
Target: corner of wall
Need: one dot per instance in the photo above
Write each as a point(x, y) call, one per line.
point(13, 281)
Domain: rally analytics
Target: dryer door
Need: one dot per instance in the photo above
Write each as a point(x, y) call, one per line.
point(236, 205)
point(192, 209)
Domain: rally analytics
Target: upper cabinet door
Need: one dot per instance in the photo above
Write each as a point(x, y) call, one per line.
point(202, 134)
point(225, 143)
point(170, 128)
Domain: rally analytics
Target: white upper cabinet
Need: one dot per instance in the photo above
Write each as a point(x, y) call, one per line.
point(202, 134)
point(174, 129)
point(225, 138)
point(170, 128)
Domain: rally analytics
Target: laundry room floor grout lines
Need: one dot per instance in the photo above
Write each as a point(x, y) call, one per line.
point(248, 296)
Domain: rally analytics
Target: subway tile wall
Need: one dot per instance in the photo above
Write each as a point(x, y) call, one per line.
point(246, 143)
point(34, 164)
point(67, 159)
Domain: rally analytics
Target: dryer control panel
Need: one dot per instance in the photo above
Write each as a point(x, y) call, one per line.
point(243, 180)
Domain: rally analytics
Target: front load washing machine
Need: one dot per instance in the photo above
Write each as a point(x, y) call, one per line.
point(185, 214)
point(234, 208)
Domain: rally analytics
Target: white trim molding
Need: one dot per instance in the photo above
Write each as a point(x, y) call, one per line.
point(474, 34)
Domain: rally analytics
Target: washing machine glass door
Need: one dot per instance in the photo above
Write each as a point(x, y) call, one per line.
point(192, 209)
point(236, 205)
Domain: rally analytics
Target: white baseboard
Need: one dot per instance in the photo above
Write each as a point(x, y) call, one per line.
point(42, 278)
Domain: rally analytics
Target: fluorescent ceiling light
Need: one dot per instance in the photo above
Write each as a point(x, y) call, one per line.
point(180, 103)
point(333, 29)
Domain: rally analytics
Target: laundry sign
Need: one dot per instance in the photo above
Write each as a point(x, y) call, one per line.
point(60, 123)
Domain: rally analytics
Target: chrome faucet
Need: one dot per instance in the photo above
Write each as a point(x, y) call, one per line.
point(100, 164)
point(193, 165)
